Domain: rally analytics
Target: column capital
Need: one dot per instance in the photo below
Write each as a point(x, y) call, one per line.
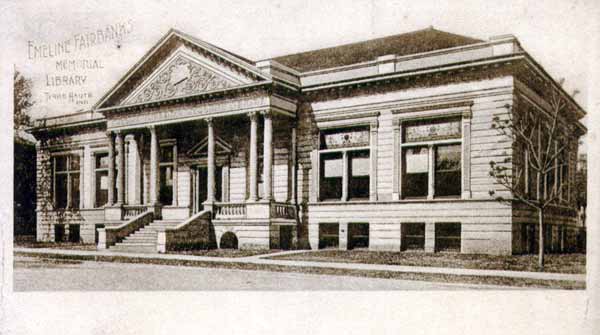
point(374, 125)
point(118, 132)
point(151, 127)
point(209, 121)
point(267, 113)
point(253, 116)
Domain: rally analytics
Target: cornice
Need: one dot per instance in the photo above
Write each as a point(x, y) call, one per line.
point(386, 78)
point(244, 89)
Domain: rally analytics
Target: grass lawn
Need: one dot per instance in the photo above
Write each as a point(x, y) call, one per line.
point(223, 252)
point(561, 263)
point(55, 245)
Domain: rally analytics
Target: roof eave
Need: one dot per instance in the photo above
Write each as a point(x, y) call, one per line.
point(578, 109)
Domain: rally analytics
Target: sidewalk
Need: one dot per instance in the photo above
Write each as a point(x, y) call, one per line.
point(261, 260)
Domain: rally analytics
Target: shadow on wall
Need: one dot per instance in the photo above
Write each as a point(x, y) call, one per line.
point(24, 201)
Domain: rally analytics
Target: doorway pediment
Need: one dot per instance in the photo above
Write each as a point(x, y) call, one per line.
point(200, 149)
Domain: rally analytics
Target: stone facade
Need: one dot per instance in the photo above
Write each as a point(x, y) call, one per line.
point(280, 157)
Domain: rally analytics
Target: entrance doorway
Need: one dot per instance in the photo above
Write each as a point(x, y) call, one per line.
point(201, 188)
point(285, 237)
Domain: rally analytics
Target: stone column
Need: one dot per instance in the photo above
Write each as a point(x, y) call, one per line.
point(397, 177)
point(69, 187)
point(132, 167)
point(210, 183)
point(268, 156)
point(111, 169)
point(466, 155)
point(121, 166)
point(345, 176)
point(293, 169)
point(154, 171)
point(82, 177)
point(373, 161)
point(192, 189)
point(431, 162)
point(175, 175)
point(253, 156)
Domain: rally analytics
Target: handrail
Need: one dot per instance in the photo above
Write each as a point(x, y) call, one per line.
point(111, 235)
point(193, 233)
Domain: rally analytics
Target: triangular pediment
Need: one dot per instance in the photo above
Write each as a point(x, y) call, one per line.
point(181, 66)
point(182, 75)
point(200, 149)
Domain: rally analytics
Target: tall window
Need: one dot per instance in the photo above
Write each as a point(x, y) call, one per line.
point(416, 172)
point(167, 165)
point(66, 181)
point(331, 176)
point(431, 158)
point(447, 170)
point(344, 164)
point(101, 175)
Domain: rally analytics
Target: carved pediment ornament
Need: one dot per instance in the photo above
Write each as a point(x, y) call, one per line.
point(182, 77)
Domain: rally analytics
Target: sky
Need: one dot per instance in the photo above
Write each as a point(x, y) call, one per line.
point(553, 32)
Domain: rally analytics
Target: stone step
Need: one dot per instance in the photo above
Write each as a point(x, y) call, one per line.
point(136, 243)
point(134, 248)
point(149, 239)
point(143, 235)
point(145, 232)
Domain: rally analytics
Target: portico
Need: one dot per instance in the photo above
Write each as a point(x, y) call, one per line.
point(122, 206)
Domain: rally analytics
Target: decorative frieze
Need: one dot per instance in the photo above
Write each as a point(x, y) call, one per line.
point(431, 131)
point(182, 77)
point(346, 138)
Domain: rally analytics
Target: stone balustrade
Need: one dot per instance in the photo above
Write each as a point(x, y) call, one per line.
point(254, 210)
point(230, 210)
point(283, 211)
point(130, 211)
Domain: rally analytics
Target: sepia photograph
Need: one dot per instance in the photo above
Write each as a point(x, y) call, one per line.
point(289, 150)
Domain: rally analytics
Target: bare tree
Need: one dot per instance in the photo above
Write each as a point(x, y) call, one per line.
point(537, 177)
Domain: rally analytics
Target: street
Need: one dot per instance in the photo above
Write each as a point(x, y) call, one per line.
point(35, 274)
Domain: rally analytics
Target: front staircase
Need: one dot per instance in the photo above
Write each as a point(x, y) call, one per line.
point(144, 239)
